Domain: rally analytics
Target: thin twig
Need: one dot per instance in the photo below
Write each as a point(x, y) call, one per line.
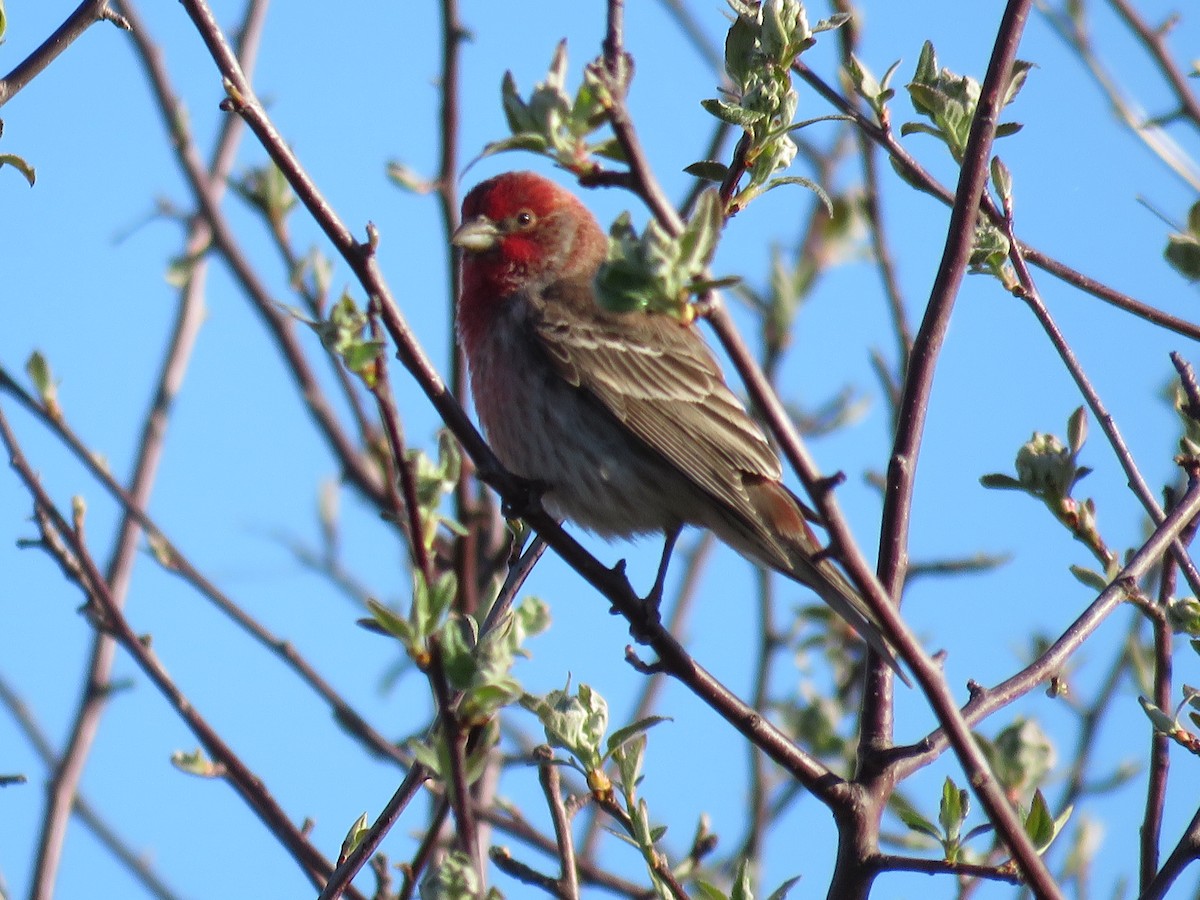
point(885, 862)
point(893, 553)
point(1093, 716)
point(1160, 745)
point(189, 315)
point(357, 466)
point(1157, 139)
point(916, 174)
point(1029, 294)
point(109, 616)
point(338, 882)
point(510, 821)
point(1156, 46)
point(1185, 853)
point(409, 507)
point(693, 568)
point(139, 865)
point(429, 842)
point(85, 16)
point(612, 584)
point(984, 702)
point(175, 561)
point(548, 775)
point(451, 732)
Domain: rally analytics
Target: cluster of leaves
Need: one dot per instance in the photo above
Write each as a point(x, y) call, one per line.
point(477, 667)
point(1049, 470)
point(949, 102)
point(577, 723)
point(1021, 757)
point(655, 272)
point(344, 333)
point(435, 479)
point(762, 44)
point(552, 123)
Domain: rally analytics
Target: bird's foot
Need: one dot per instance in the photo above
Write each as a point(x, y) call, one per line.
point(526, 494)
point(644, 618)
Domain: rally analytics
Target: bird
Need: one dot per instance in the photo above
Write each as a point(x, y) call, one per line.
point(623, 419)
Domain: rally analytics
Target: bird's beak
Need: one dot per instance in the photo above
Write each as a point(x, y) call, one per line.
point(476, 236)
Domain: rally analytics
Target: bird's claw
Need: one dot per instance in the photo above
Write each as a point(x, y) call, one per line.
point(646, 621)
point(644, 618)
point(526, 494)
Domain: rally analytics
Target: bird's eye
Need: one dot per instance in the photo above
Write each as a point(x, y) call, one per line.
point(524, 218)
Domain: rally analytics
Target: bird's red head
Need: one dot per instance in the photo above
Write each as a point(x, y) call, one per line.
point(521, 232)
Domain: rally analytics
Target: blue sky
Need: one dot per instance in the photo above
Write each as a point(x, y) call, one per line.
point(355, 88)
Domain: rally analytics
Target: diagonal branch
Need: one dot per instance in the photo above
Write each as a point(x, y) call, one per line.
point(64, 541)
point(85, 16)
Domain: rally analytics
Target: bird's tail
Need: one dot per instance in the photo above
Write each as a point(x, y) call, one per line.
point(835, 589)
point(790, 546)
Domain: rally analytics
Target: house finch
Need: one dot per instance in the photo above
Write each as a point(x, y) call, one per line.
point(625, 418)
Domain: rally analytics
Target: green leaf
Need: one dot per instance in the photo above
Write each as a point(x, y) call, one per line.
point(428, 756)
point(1024, 755)
point(742, 887)
point(1162, 723)
point(515, 109)
point(610, 149)
point(459, 662)
point(629, 756)
point(390, 621)
point(733, 115)
point(526, 140)
point(876, 93)
point(1020, 72)
point(953, 809)
point(741, 56)
point(17, 162)
point(699, 238)
point(1077, 427)
point(781, 892)
point(1002, 179)
point(37, 367)
point(708, 891)
point(1183, 254)
point(1089, 578)
point(641, 726)
point(1193, 219)
point(917, 822)
point(355, 835)
point(803, 182)
point(1039, 824)
point(709, 170)
point(997, 481)
point(196, 763)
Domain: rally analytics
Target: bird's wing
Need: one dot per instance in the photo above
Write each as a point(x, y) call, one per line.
point(658, 377)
